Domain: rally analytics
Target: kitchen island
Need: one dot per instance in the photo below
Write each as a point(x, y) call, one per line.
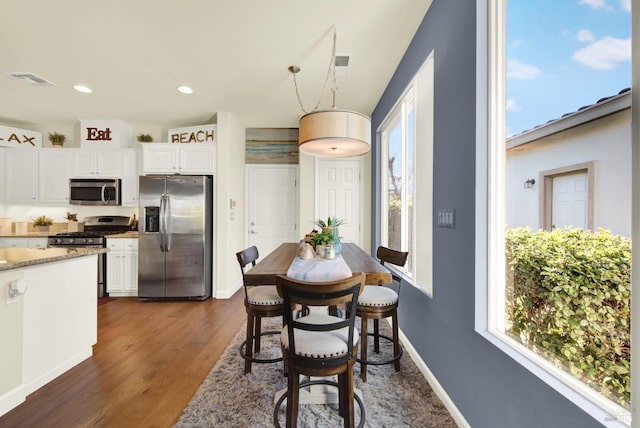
point(48, 316)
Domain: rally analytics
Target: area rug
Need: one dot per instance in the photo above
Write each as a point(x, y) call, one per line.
point(227, 398)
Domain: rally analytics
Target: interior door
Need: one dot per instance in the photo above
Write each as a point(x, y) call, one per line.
point(570, 201)
point(339, 195)
point(272, 206)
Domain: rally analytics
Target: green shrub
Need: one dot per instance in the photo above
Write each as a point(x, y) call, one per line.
point(569, 300)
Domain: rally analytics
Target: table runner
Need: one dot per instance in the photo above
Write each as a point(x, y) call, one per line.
point(319, 269)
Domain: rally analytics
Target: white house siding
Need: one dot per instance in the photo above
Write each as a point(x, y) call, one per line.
point(605, 141)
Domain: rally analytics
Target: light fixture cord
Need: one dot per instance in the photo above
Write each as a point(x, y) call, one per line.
point(331, 71)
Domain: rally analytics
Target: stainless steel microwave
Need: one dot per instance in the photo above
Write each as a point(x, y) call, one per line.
point(95, 191)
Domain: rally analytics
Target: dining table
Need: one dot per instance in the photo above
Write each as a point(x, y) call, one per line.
point(281, 260)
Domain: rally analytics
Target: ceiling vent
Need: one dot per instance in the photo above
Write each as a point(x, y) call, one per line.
point(342, 65)
point(31, 78)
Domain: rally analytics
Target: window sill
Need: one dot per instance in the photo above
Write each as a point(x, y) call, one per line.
point(601, 409)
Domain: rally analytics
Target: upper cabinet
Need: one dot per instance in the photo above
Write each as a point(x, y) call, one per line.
point(130, 168)
point(21, 176)
point(3, 189)
point(165, 158)
point(97, 163)
point(54, 171)
point(37, 176)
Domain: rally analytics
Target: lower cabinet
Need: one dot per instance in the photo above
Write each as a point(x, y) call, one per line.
point(23, 242)
point(122, 267)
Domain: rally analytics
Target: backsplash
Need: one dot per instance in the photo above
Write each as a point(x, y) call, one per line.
point(58, 214)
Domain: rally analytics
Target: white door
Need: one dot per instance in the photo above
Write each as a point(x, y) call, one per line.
point(339, 195)
point(570, 201)
point(272, 207)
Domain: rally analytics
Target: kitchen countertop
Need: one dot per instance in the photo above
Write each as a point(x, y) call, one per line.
point(27, 235)
point(14, 258)
point(129, 234)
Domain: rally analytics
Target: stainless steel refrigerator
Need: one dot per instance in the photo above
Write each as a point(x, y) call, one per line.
point(175, 237)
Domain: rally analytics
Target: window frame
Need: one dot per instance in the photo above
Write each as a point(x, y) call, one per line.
point(490, 219)
point(421, 91)
point(398, 115)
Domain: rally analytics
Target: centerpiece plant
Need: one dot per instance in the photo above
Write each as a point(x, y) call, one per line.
point(329, 232)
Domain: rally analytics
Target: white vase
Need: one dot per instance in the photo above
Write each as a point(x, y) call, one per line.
point(72, 226)
point(320, 250)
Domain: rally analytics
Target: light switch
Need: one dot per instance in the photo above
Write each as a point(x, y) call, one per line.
point(447, 218)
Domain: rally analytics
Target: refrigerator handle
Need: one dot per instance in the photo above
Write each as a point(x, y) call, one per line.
point(167, 222)
point(163, 227)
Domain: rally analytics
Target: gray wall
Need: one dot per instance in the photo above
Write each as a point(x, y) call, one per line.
point(488, 387)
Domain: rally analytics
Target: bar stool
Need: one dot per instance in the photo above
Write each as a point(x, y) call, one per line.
point(320, 344)
point(376, 303)
point(260, 301)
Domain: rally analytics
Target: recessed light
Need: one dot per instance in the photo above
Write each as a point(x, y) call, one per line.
point(185, 89)
point(82, 88)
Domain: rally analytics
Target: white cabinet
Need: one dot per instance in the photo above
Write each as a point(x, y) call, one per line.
point(54, 171)
point(4, 178)
point(21, 176)
point(97, 163)
point(37, 176)
point(130, 178)
point(23, 242)
point(165, 158)
point(122, 267)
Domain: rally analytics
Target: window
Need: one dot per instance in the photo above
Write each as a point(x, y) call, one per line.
point(552, 168)
point(407, 141)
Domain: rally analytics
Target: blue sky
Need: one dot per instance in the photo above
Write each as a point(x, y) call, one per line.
point(562, 55)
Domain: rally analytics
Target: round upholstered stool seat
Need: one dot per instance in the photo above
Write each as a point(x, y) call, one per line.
point(264, 295)
point(260, 301)
point(376, 303)
point(377, 297)
point(320, 344)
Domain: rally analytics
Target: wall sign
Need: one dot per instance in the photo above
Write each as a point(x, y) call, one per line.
point(16, 137)
point(105, 134)
point(205, 134)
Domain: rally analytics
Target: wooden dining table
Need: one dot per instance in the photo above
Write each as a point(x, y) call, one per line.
point(278, 261)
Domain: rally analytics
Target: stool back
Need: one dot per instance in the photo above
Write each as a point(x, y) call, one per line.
point(332, 293)
point(246, 257)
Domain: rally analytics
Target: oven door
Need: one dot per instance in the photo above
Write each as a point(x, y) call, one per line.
point(89, 191)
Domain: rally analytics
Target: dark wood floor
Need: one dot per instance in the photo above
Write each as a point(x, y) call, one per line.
point(149, 360)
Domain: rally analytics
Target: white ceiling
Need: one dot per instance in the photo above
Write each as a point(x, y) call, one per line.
point(233, 53)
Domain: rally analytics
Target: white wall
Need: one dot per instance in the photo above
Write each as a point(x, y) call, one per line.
point(229, 232)
point(606, 141)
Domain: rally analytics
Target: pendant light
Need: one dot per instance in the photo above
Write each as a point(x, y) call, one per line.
point(334, 132)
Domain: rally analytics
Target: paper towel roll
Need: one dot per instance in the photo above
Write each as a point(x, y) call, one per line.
point(5, 226)
point(21, 227)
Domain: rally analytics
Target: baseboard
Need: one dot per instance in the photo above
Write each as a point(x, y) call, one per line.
point(228, 292)
point(12, 399)
point(56, 371)
point(433, 382)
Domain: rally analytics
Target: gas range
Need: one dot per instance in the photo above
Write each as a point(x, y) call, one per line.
point(76, 239)
point(95, 230)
